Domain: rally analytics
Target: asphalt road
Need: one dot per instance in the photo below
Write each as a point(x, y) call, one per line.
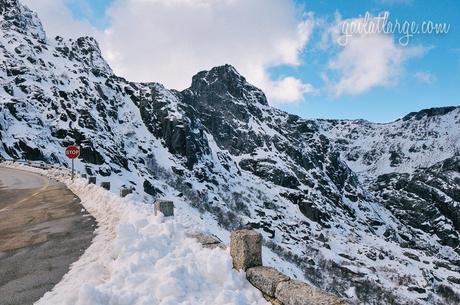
point(43, 229)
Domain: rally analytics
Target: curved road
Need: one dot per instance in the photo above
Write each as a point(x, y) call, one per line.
point(43, 229)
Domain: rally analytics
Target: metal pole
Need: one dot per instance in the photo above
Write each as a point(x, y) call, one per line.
point(72, 169)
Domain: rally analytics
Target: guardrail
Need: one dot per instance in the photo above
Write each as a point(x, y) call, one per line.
point(37, 164)
point(123, 192)
point(34, 163)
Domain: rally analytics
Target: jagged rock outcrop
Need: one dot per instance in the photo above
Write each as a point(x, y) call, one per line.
point(434, 190)
point(19, 18)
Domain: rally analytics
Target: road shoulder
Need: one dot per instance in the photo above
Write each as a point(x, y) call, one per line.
point(43, 230)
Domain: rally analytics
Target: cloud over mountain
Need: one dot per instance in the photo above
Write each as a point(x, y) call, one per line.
point(174, 39)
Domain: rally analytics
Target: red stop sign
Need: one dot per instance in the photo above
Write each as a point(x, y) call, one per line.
point(72, 152)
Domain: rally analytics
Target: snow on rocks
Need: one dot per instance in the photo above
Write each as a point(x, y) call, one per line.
point(219, 147)
point(417, 140)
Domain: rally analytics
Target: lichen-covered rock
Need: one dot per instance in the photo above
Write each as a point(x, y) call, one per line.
point(246, 249)
point(298, 293)
point(266, 279)
point(272, 300)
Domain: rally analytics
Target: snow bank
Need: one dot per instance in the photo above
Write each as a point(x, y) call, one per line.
point(137, 258)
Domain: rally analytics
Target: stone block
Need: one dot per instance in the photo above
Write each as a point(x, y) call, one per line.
point(272, 300)
point(246, 249)
point(298, 293)
point(266, 279)
point(105, 185)
point(92, 180)
point(164, 206)
point(125, 191)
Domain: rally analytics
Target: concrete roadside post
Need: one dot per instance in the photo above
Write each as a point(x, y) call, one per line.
point(124, 191)
point(164, 206)
point(246, 249)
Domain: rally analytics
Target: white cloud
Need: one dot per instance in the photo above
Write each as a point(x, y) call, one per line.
point(365, 60)
point(425, 77)
point(169, 41)
point(58, 21)
point(289, 89)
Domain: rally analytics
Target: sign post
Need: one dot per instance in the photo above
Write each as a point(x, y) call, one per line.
point(72, 152)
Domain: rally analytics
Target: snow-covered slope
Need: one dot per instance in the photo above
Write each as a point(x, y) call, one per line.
point(219, 147)
point(435, 191)
point(410, 165)
point(140, 258)
point(419, 139)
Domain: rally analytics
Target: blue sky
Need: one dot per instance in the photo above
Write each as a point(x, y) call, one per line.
point(409, 94)
point(429, 78)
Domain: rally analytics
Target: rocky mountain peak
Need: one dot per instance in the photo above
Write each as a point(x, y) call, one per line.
point(7, 5)
point(226, 80)
point(220, 73)
point(86, 50)
point(87, 44)
point(437, 111)
point(90, 52)
point(17, 17)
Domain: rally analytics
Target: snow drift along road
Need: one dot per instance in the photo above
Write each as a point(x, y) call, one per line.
point(137, 258)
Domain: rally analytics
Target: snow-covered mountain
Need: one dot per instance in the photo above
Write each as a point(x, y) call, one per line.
point(410, 165)
point(368, 211)
point(419, 139)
